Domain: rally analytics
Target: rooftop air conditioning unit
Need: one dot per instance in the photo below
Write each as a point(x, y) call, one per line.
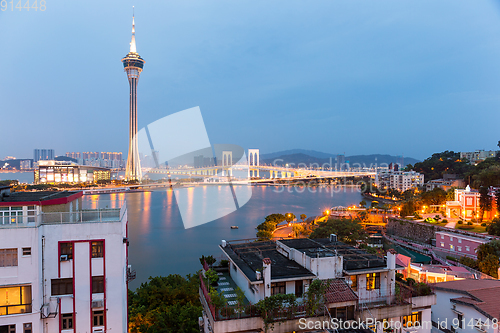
point(99, 303)
point(64, 257)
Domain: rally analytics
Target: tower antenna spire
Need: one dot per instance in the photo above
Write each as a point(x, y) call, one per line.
point(133, 47)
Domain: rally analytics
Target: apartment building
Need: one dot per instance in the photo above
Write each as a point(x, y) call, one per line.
point(398, 180)
point(359, 286)
point(62, 269)
point(477, 156)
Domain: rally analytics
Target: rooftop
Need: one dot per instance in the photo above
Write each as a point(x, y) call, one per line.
point(42, 198)
point(354, 259)
point(248, 257)
point(482, 295)
point(338, 291)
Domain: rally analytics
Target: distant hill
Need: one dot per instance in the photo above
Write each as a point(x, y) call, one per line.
point(309, 157)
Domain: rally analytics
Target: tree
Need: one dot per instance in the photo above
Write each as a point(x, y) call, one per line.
point(289, 217)
point(210, 260)
point(468, 262)
point(494, 227)
point(438, 164)
point(347, 230)
point(485, 202)
point(489, 265)
point(303, 217)
point(297, 230)
point(435, 197)
point(165, 304)
point(497, 199)
point(362, 204)
point(264, 235)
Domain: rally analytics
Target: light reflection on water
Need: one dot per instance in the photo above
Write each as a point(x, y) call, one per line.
point(159, 244)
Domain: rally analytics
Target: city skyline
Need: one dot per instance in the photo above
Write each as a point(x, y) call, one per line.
point(355, 72)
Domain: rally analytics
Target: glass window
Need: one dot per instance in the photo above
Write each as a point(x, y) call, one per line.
point(98, 318)
point(354, 282)
point(278, 288)
point(299, 288)
point(26, 251)
point(27, 328)
point(7, 328)
point(67, 321)
point(8, 257)
point(15, 300)
point(97, 284)
point(67, 249)
point(372, 281)
point(62, 286)
point(97, 249)
point(415, 319)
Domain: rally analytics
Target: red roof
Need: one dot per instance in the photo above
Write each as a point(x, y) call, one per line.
point(338, 291)
point(403, 260)
point(483, 295)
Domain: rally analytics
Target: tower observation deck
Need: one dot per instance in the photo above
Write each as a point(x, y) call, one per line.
point(133, 64)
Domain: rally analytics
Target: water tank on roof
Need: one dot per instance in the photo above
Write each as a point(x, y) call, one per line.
point(333, 238)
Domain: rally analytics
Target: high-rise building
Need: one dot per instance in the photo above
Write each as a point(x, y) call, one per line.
point(133, 65)
point(75, 155)
point(43, 154)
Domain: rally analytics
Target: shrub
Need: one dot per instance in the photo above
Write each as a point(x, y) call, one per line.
point(410, 281)
point(473, 220)
point(460, 222)
point(444, 221)
point(451, 258)
point(212, 276)
point(469, 223)
point(483, 224)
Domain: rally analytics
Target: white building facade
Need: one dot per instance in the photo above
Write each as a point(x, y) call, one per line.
point(65, 270)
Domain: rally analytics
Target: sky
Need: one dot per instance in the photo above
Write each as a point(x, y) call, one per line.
point(395, 77)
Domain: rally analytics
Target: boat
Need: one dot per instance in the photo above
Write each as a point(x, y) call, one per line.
point(234, 227)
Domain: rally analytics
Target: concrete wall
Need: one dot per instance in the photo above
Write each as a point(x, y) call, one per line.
point(417, 231)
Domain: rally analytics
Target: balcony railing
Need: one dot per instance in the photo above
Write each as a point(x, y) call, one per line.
point(249, 311)
point(82, 216)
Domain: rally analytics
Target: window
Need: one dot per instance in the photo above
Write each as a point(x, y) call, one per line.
point(451, 247)
point(451, 238)
point(442, 236)
point(67, 321)
point(467, 248)
point(460, 319)
point(372, 281)
point(26, 251)
point(278, 288)
point(97, 249)
point(459, 248)
point(11, 215)
point(442, 244)
point(299, 288)
point(98, 318)
point(415, 319)
point(97, 284)
point(14, 300)
point(27, 328)
point(62, 286)
point(354, 284)
point(8, 329)
point(67, 249)
point(8, 257)
point(460, 240)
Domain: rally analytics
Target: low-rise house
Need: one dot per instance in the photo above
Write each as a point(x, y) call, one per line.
point(466, 205)
point(462, 245)
point(432, 273)
point(467, 306)
point(359, 286)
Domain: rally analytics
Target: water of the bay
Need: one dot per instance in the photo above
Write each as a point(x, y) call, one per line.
point(159, 244)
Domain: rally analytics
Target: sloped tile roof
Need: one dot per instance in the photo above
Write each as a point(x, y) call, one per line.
point(338, 291)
